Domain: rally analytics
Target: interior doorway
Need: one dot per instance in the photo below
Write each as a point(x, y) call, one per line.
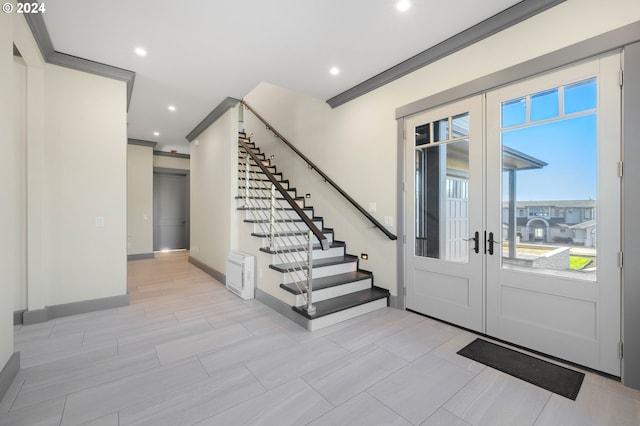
point(170, 209)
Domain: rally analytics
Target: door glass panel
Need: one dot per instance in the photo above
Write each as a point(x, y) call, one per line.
point(549, 186)
point(544, 105)
point(514, 112)
point(441, 130)
point(442, 193)
point(423, 134)
point(580, 96)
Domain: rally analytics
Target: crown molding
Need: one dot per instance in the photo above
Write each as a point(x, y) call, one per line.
point(499, 22)
point(213, 116)
point(51, 56)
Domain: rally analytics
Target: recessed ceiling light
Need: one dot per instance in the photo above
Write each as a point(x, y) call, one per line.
point(334, 71)
point(140, 51)
point(156, 133)
point(171, 108)
point(403, 5)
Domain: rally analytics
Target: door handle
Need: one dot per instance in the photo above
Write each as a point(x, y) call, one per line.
point(476, 241)
point(491, 241)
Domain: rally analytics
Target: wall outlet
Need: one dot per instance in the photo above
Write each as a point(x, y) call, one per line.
point(99, 221)
point(373, 207)
point(388, 220)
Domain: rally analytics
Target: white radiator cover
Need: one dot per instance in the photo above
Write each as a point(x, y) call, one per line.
point(240, 274)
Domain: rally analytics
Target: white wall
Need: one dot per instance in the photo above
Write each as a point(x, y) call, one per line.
point(86, 170)
point(139, 199)
point(9, 220)
point(213, 179)
point(171, 162)
point(19, 161)
point(355, 144)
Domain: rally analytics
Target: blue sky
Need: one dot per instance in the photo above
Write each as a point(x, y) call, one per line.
point(569, 146)
point(569, 149)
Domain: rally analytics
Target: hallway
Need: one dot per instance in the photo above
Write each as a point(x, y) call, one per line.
point(187, 351)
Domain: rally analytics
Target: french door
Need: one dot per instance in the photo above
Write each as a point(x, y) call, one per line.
point(444, 186)
point(513, 213)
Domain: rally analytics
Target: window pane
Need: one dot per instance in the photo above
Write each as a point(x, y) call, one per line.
point(580, 96)
point(460, 125)
point(442, 201)
point(441, 130)
point(544, 105)
point(551, 174)
point(422, 135)
point(514, 112)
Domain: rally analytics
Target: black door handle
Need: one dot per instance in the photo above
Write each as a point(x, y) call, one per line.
point(476, 242)
point(491, 241)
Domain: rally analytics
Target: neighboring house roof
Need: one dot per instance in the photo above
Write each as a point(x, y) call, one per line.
point(584, 225)
point(555, 203)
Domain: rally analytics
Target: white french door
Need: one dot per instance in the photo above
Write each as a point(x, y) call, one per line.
point(444, 186)
point(535, 173)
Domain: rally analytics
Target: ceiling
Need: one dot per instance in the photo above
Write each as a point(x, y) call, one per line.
point(202, 51)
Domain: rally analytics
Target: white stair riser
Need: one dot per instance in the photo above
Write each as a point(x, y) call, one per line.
point(242, 177)
point(260, 185)
point(301, 256)
point(331, 292)
point(263, 193)
point(341, 316)
point(265, 214)
point(294, 240)
point(280, 203)
point(323, 271)
point(285, 227)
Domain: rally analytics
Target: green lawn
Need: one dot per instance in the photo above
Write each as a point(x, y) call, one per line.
point(577, 262)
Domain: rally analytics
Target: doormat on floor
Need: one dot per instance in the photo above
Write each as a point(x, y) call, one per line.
point(546, 375)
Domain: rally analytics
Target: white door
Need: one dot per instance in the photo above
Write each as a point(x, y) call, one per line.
point(444, 186)
point(553, 206)
point(542, 189)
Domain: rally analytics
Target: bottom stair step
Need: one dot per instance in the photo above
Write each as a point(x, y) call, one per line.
point(343, 303)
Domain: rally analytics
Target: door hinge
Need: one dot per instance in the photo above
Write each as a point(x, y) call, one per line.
point(404, 239)
point(620, 169)
point(621, 77)
point(620, 259)
point(620, 350)
point(404, 291)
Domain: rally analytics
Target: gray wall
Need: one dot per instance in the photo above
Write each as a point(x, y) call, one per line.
point(631, 232)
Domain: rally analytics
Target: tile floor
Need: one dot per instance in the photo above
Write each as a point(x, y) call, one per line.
point(186, 352)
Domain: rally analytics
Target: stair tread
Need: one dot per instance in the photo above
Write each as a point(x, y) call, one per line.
point(330, 281)
point(290, 233)
point(340, 303)
point(293, 249)
point(317, 263)
point(287, 220)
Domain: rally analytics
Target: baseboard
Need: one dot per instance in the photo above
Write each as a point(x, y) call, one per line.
point(141, 256)
point(209, 270)
point(280, 307)
point(75, 308)
point(17, 317)
point(393, 302)
point(8, 373)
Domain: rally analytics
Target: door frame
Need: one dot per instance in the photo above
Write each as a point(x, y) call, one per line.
point(606, 42)
point(187, 174)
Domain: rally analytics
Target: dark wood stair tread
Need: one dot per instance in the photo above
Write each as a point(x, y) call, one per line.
point(341, 303)
point(330, 281)
point(318, 263)
point(295, 249)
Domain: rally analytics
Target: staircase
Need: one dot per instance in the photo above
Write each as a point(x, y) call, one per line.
point(340, 289)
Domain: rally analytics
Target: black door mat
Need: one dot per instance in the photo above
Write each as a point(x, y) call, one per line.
point(546, 375)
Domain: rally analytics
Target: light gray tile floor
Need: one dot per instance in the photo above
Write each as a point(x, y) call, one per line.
point(186, 351)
